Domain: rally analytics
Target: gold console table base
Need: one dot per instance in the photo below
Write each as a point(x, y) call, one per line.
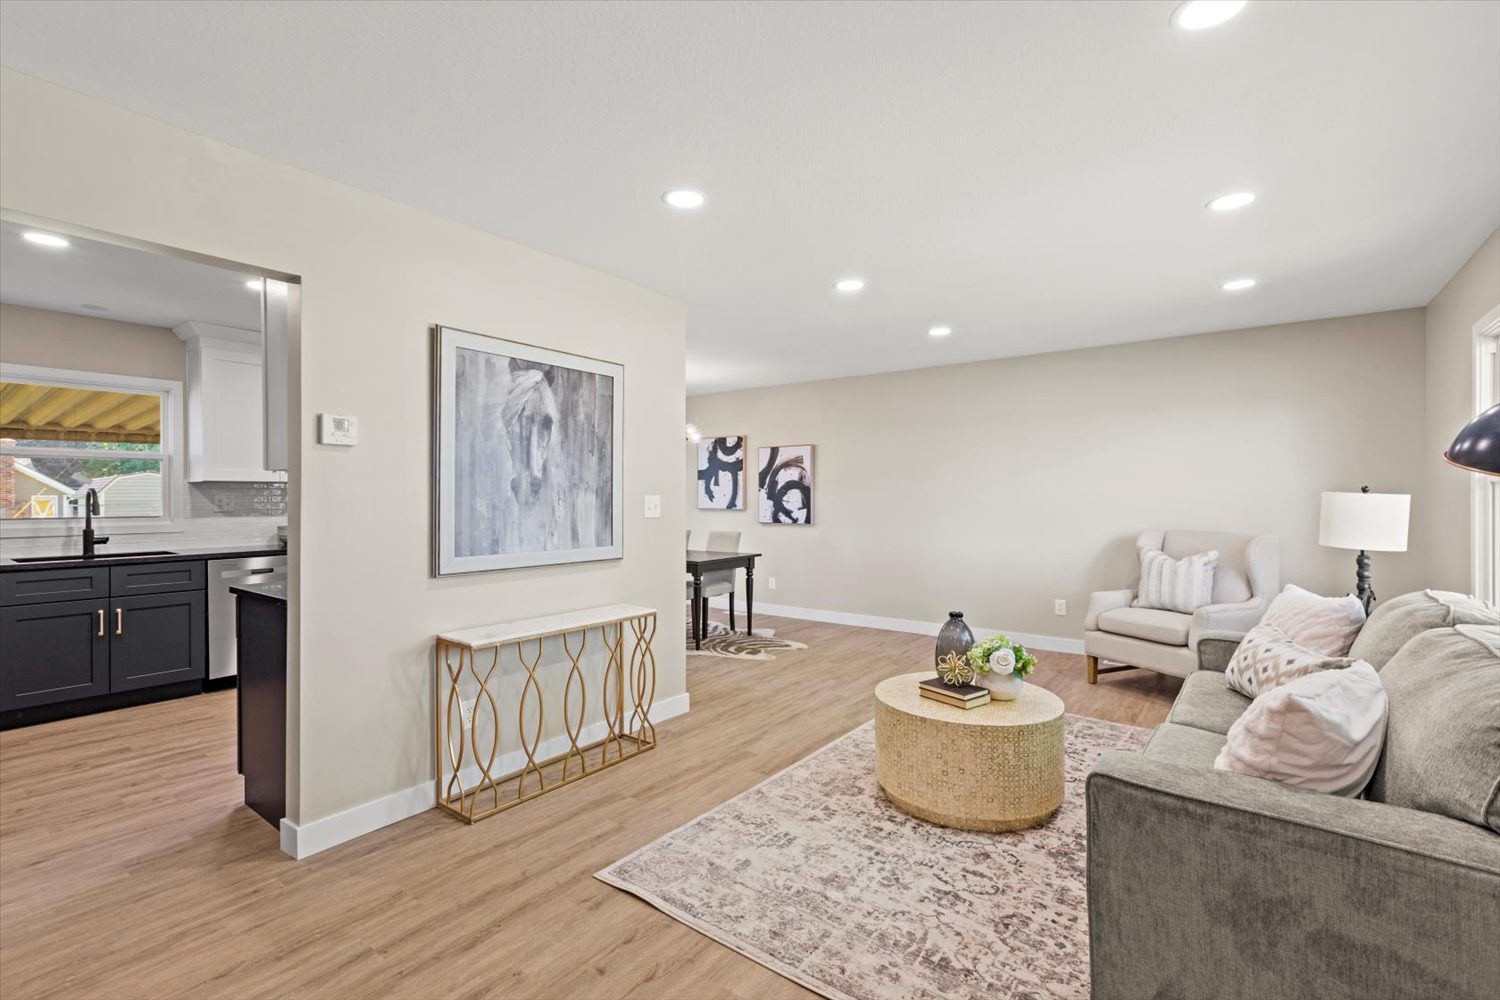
point(628, 689)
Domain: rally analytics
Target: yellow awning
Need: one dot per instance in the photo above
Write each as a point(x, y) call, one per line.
point(52, 413)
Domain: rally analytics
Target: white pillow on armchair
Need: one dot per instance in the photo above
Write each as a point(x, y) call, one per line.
point(1183, 585)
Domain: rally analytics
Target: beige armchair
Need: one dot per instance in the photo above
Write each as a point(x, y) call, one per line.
point(1247, 578)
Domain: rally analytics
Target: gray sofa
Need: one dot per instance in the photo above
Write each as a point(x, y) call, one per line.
point(1210, 885)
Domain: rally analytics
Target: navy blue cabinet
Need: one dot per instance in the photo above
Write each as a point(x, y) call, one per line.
point(72, 634)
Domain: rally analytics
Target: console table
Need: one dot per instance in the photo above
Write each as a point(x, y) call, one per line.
point(469, 720)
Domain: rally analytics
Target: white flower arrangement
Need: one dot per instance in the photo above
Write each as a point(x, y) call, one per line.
point(1000, 655)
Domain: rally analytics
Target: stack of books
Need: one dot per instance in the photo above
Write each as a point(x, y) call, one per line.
point(962, 696)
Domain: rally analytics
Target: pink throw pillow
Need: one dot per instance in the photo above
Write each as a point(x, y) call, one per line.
point(1327, 625)
point(1322, 732)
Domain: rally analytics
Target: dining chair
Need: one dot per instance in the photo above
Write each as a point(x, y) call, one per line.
point(719, 582)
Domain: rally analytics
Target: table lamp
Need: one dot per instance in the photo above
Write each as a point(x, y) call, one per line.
point(1369, 522)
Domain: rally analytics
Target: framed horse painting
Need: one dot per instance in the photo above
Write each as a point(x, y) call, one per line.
point(527, 455)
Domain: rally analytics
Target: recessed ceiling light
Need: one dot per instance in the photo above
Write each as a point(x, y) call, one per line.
point(849, 285)
point(45, 240)
point(684, 199)
point(1238, 284)
point(1230, 202)
point(253, 284)
point(939, 331)
point(1195, 15)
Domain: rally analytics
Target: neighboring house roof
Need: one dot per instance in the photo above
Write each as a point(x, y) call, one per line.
point(23, 466)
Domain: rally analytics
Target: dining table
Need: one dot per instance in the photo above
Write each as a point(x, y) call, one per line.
point(700, 561)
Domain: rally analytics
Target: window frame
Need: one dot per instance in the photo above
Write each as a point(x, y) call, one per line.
point(173, 464)
point(1484, 495)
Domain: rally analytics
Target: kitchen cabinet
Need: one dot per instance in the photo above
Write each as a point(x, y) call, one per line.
point(143, 626)
point(226, 435)
point(53, 652)
point(260, 617)
point(158, 639)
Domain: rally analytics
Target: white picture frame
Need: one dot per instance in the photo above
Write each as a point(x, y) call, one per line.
point(519, 473)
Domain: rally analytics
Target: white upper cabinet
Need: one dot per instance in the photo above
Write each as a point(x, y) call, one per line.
point(226, 438)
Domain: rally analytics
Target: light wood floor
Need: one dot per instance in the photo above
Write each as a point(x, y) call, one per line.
point(130, 868)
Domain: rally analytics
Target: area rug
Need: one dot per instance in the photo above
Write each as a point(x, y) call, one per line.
point(762, 645)
point(813, 874)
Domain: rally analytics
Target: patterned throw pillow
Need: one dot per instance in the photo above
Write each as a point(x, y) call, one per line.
point(1323, 624)
point(1267, 659)
point(1168, 584)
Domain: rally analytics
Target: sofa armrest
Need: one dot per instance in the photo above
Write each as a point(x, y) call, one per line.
point(1105, 600)
point(1203, 883)
point(1216, 648)
point(1238, 617)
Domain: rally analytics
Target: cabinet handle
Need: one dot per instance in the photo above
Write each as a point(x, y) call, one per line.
point(101, 622)
point(119, 621)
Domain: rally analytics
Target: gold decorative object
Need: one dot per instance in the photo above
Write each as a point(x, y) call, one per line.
point(996, 767)
point(955, 670)
point(465, 694)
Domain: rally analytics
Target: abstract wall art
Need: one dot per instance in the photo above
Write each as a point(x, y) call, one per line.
point(721, 473)
point(527, 455)
point(786, 484)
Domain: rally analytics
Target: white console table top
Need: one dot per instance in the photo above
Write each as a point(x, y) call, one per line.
point(500, 633)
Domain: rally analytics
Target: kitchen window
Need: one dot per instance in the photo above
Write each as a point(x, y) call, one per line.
point(63, 433)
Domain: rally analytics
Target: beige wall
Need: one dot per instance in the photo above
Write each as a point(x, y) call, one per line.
point(376, 275)
point(91, 344)
point(996, 487)
point(1446, 526)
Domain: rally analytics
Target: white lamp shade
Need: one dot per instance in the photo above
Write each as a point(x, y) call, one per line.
point(1375, 522)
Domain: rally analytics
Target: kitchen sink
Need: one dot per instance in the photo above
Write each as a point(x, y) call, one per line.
point(98, 558)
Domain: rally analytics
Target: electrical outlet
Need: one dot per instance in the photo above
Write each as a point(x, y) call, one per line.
point(1059, 607)
point(771, 582)
point(467, 708)
point(653, 505)
point(224, 504)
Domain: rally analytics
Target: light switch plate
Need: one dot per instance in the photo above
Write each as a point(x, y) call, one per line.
point(336, 429)
point(653, 505)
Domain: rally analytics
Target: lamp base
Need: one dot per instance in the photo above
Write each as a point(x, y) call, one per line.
point(1363, 590)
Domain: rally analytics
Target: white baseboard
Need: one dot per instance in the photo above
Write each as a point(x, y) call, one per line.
point(306, 839)
point(1052, 643)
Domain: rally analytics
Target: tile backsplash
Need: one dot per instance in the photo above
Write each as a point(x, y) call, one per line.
point(236, 500)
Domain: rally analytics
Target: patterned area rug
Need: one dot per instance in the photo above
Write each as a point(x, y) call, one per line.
point(763, 645)
point(813, 874)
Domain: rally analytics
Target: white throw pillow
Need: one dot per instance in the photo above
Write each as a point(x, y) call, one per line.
point(1168, 584)
point(1322, 732)
point(1267, 658)
point(1325, 624)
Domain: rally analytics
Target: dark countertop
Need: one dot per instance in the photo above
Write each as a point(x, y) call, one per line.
point(269, 591)
point(126, 559)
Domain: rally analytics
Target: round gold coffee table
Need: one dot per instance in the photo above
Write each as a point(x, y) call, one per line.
point(993, 768)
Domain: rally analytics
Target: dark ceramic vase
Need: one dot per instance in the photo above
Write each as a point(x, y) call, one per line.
point(953, 637)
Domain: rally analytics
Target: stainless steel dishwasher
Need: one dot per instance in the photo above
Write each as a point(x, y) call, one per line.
point(223, 574)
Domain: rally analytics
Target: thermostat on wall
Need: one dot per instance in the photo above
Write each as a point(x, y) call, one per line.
point(334, 429)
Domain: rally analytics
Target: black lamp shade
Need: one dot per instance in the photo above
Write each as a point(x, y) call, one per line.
point(1477, 447)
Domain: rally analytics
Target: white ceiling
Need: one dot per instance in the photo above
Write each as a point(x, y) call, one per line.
point(132, 286)
point(1032, 174)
